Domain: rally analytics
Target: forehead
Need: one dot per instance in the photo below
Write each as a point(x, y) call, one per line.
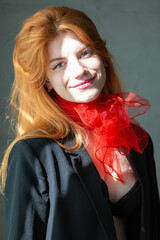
point(64, 44)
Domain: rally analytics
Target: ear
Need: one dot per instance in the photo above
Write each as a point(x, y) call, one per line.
point(48, 85)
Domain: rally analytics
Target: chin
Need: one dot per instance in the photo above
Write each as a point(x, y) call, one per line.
point(89, 98)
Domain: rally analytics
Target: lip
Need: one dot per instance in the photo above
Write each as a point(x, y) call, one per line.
point(84, 84)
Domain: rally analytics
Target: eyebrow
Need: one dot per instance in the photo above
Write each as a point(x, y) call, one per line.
point(56, 59)
point(62, 58)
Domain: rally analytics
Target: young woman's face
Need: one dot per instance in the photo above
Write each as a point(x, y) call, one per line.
point(74, 70)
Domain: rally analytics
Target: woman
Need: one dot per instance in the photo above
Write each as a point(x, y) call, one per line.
point(80, 166)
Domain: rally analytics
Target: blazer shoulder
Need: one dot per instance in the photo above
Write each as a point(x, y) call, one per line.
point(150, 143)
point(32, 143)
point(36, 151)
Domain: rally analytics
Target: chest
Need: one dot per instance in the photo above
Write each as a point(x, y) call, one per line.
point(116, 188)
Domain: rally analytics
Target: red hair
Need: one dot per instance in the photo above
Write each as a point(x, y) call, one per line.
point(37, 115)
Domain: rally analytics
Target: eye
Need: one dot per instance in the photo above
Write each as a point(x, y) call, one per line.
point(59, 66)
point(87, 53)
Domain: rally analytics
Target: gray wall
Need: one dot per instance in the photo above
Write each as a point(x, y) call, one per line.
point(132, 31)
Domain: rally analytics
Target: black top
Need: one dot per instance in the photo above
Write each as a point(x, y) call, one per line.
point(129, 203)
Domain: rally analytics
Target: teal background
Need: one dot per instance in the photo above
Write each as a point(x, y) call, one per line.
point(132, 31)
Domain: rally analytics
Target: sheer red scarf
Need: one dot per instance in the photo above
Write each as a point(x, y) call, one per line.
point(112, 120)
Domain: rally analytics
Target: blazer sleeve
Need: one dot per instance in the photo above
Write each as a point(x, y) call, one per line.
point(26, 195)
point(155, 201)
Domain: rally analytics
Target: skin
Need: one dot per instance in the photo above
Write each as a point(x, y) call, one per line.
point(74, 70)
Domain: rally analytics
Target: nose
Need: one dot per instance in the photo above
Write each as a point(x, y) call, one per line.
point(76, 68)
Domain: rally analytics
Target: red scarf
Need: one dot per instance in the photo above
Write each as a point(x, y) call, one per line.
point(111, 118)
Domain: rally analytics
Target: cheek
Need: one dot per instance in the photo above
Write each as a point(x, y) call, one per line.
point(101, 69)
point(93, 63)
point(57, 79)
point(96, 64)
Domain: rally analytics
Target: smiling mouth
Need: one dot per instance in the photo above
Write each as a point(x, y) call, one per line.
point(84, 84)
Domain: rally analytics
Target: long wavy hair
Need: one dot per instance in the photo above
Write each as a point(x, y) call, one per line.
point(34, 110)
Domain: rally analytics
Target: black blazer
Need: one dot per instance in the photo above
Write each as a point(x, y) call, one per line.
point(54, 194)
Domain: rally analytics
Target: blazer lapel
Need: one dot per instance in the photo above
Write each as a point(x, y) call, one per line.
point(94, 187)
point(138, 162)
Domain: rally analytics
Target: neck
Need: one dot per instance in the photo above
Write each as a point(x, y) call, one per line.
point(60, 101)
point(69, 107)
